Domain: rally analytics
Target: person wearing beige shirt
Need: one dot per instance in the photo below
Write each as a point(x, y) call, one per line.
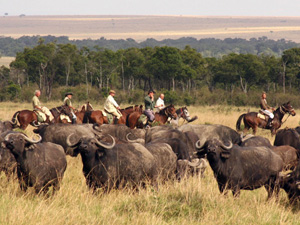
point(37, 105)
point(111, 106)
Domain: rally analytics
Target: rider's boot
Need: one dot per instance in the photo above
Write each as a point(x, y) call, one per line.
point(269, 123)
point(149, 124)
point(116, 121)
point(73, 120)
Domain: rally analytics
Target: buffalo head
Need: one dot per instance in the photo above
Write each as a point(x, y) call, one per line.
point(18, 142)
point(214, 146)
point(87, 145)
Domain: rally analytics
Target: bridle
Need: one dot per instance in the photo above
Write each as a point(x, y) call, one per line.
point(168, 114)
point(284, 110)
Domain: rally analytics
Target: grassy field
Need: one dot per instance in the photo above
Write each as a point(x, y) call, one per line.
point(192, 201)
point(6, 60)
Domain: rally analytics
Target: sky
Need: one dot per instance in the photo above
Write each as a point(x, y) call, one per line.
point(152, 7)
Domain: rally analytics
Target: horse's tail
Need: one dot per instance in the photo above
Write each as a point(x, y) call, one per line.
point(238, 122)
point(14, 120)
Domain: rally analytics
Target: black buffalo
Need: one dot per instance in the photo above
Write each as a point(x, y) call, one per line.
point(40, 165)
point(113, 165)
point(255, 141)
point(289, 137)
point(58, 133)
point(216, 131)
point(237, 168)
point(291, 184)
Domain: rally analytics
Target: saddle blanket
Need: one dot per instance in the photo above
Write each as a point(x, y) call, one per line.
point(110, 117)
point(143, 119)
point(65, 117)
point(261, 116)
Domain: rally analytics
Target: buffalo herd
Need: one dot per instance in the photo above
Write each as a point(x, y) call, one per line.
point(115, 157)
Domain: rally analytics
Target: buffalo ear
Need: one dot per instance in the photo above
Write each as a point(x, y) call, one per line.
point(29, 146)
point(100, 152)
point(225, 154)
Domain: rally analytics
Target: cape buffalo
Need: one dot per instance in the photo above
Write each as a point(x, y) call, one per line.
point(40, 165)
point(237, 168)
point(289, 137)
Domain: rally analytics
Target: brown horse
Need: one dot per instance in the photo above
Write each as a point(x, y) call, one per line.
point(160, 118)
point(26, 117)
point(98, 117)
point(252, 121)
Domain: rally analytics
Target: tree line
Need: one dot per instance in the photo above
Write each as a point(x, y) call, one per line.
point(135, 70)
point(208, 47)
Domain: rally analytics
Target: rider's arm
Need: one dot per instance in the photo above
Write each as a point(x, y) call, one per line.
point(113, 101)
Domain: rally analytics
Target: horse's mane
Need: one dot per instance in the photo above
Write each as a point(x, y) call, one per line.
point(129, 107)
point(163, 111)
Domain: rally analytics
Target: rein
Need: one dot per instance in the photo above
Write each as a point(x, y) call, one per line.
point(284, 112)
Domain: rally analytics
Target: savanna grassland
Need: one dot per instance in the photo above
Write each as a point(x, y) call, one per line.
point(6, 60)
point(140, 28)
point(192, 201)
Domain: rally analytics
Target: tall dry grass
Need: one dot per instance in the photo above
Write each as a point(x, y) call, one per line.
point(193, 201)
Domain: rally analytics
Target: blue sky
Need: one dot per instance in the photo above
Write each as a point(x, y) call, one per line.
point(152, 7)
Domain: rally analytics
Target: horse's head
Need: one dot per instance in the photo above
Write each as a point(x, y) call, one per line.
point(170, 111)
point(89, 107)
point(185, 113)
point(288, 108)
point(66, 110)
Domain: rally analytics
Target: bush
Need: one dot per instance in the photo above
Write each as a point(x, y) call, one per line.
point(171, 97)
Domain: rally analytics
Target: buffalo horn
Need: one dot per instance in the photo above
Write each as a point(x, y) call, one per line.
point(25, 137)
point(196, 163)
point(226, 147)
point(127, 137)
point(105, 145)
point(200, 143)
point(68, 142)
point(31, 140)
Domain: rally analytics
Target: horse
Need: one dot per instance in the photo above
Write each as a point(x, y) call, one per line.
point(161, 117)
point(184, 114)
point(26, 117)
point(84, 109)
point(251, 120)
point(98, 117)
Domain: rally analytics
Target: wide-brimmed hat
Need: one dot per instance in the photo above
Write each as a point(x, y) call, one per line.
point(151, 91)
point(68, 93)
point(112, 91)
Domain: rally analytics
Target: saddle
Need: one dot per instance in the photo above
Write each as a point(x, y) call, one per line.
point(65, 117)
point(143, 119)
point(262, 115)
point(110, 117)
point(41, 117)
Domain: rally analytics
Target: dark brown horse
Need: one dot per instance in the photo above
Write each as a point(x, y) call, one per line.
point(252, 121)
point(80, 114)
point(26, 117)
point(160, 118)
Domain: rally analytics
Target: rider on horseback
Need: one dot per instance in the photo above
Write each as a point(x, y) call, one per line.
point(111, 106)
point(266, 108)
point(160, 104)
point(67, 102)
point(41, 110)
point(149, 106)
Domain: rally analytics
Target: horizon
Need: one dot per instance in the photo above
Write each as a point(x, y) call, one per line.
point(155, 7)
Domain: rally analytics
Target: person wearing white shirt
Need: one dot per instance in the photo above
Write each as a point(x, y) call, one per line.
point(160, 104)
point(111, 106)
